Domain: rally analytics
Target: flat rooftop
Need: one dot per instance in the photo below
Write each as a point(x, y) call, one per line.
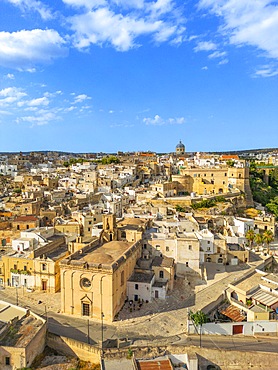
point(24, 330)
point(8, 312)
point(108, 255)
point(250, 282)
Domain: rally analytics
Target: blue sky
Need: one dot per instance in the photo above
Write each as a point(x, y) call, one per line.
point(109, 75)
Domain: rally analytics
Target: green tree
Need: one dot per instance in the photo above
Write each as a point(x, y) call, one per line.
point(250, 236)
point(230, 163)
point(272, 206)
point(268, 237)
point(180, 208)
point(199, 318)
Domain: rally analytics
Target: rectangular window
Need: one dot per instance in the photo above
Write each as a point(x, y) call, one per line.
point(136, 287)
point(167, 249)
point(90, 222)
point(89, 229)
point(186, 264)
point(25, 268)
point(15, 267)
point(44, 266)
point(161, 274)
point(190, 247)
point(85, 309)
point(7, 361)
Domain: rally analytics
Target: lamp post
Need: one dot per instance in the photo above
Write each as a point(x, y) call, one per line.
point(16, 287)
point(88, 331)
point(102, 315)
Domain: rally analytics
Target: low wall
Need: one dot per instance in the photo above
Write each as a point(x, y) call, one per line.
point(72, 347)
point(227, 328)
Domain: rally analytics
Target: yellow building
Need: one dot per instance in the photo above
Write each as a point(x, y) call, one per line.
point(34, 265)
point(214, 180)
point(94, 279)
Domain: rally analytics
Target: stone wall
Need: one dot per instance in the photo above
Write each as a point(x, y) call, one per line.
point(72, 347)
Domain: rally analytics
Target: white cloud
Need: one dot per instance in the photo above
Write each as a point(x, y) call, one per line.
point(43, 117)
point(223, 61)
point(121, 25)
point(23, 49)
point(205, 46)
point(159, 121)
point(35, 5)
point(10, 76)
point(49, 107)
point(88, 4)
point(267, 71)
point(248, 22)
point(80, 98)
point(5, 112)
point(217, 54)
point(205, 68)
point(37, 102)
point(10, 95)
point(70, 109)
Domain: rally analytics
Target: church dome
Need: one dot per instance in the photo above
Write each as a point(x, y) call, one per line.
point(180, 145)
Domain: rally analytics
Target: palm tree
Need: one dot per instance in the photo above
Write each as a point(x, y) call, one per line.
point(268, 237)
point(250, 236)
point(259, 239)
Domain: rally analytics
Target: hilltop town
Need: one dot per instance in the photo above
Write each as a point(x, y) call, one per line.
point(136, 258)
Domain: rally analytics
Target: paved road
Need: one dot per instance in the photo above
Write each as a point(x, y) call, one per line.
point(233, 343)
point(156, 329)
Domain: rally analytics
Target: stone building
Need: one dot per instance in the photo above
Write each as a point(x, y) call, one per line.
point(214, 180)
point(94, 279)
point(22, 337)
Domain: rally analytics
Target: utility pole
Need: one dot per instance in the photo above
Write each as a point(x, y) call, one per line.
point(102, 315)
point(88, 331)
point(16, 287)
point(45, 313)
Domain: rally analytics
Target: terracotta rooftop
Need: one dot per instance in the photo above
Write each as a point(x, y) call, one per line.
point(25, 218)
point(155, 365)
point(233, 313)
point(225, 156)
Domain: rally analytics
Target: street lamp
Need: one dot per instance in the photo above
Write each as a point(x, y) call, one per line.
point(88, 331)
point(16, 286)
point(102, 315)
